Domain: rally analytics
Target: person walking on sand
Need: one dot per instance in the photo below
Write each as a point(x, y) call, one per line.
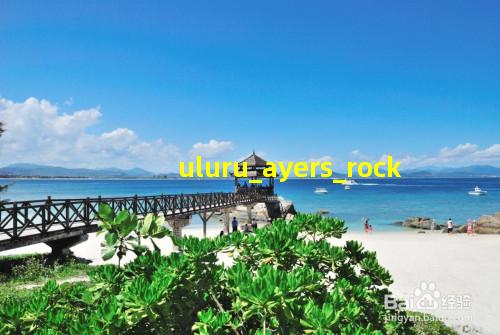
point(450, 226)
point(234, 223)
point(433, 224)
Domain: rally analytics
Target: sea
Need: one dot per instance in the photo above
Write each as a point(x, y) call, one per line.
point(382, 201)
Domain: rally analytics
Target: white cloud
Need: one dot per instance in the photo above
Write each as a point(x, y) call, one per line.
point(460, 155)
point(358, 154)
point(490, 153)
point(211, 149)
point(326, 158)
point(36, 132)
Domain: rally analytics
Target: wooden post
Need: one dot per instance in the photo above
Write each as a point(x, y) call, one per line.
point(66, 203)
point(204, 218)
point(49, 212)
point(134, 205)
point(14, 219)
point(86, 214)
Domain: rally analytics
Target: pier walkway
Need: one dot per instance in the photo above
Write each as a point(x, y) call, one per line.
point(61, 223)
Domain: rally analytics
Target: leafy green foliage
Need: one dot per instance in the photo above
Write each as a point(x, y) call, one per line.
point(123, 232)
point(284, 279)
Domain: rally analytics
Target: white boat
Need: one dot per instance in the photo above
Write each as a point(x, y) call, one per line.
point(350, 182)
point(347, 187)
point(320, 190)
point(478, 191)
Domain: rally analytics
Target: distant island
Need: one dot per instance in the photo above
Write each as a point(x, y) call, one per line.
point(27, 170)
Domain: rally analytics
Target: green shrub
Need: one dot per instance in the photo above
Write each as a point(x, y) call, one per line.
point(424, 324)
point(284, 279)
point(32, 269)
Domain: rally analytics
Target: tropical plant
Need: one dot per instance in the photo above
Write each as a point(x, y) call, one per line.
point(287, 278)
point(123, 232)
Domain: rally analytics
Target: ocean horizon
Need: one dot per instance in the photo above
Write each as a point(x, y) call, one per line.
point(382, 201)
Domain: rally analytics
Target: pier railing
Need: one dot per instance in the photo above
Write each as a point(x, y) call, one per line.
point(27, 219)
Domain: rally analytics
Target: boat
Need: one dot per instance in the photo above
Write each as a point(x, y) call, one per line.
point(347, 187)
point(350, 182)
point(320, 190)
point(478, 191)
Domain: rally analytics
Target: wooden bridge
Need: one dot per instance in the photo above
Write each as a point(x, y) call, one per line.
point(61, 223)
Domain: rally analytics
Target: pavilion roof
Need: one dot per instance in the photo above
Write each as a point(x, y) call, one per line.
point(254, 161)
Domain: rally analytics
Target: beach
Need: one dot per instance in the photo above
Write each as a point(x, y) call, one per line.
point(462, 269)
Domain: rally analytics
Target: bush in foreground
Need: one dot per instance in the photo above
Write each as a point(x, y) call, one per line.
point(283, 279)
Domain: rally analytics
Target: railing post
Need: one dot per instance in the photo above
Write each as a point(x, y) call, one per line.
point(66, 203)
point(86, 213)
point(49, 212)
point(14, 219)
point(44, 217)
point(134, 205)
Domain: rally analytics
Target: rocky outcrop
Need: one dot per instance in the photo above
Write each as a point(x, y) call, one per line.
point(287, 207)
point(486, 224)
point(261, 212)
point(419, 223)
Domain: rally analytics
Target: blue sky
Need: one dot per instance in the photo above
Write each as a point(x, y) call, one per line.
point(294, 80)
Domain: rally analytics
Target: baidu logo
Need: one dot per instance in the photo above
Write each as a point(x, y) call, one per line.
point(426, 297)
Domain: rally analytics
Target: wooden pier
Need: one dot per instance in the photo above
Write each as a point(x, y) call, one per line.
point(61, 223)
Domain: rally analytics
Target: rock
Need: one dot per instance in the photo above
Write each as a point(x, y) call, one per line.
point(321, 211)
point(488, 224)
point(419, 223)
point(286, 206)
point(260, 212)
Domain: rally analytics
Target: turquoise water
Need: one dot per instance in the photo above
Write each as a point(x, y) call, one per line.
point(384, 201)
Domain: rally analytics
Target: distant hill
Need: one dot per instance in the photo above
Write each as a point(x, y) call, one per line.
point(472, 171)
point(46, 171)
point(34, 170)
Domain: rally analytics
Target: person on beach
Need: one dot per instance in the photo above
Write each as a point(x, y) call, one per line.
point(234, 223)
point(254, 224)
point(246, 229)
point(433, 224)
point(470, 227)
point(450, 226)
point(368, 226)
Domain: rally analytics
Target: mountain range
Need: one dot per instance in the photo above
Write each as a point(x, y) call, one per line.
point(46, 171)
point(35, 170)
point(472, 171)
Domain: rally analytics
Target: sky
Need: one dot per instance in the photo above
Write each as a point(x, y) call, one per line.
point(149, 83)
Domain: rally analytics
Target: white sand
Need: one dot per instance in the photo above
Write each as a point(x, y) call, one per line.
point(460, 267)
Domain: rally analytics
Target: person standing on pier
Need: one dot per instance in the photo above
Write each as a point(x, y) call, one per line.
point(235, 224)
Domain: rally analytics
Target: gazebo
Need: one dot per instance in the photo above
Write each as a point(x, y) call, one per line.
point(255, 180)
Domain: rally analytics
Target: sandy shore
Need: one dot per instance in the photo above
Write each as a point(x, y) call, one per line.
point(465, 272)
point(461, 272)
